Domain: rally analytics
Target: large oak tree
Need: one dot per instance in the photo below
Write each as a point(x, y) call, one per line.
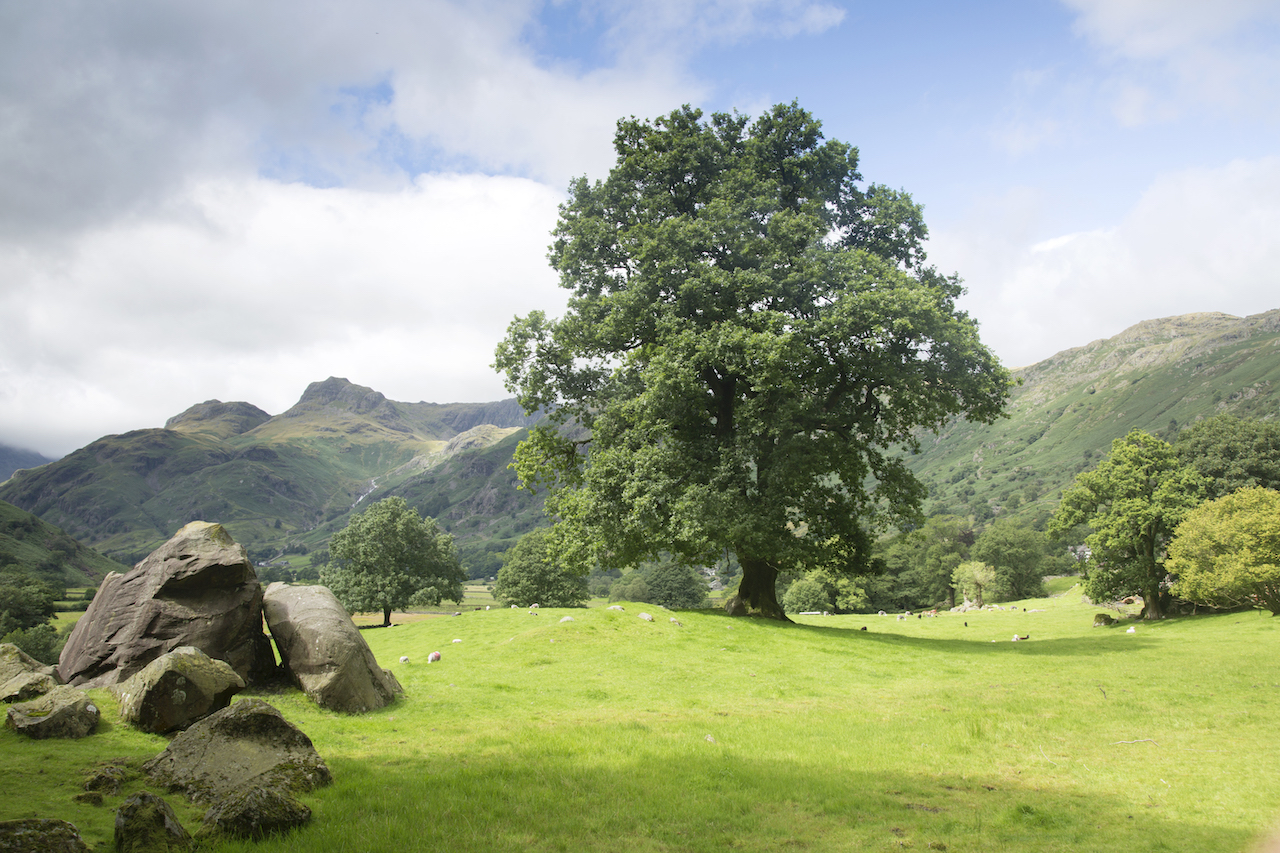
point(751, 333)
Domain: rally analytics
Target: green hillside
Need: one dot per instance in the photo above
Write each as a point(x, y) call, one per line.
point(1159, 376)
point(47, 553)
point(278, 484)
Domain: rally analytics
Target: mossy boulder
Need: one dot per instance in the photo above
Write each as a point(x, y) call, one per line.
point(40, 835)
point(22, 677)
point(63, 712)
point(175, 690)
point(145, 823)
point(254, 814)
point(247, 745)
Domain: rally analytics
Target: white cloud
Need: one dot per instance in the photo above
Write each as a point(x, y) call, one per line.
point(1170, 57)
point(1197, 240)
point(258, 288)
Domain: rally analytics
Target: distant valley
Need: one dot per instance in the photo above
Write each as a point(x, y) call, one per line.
point(283, 485)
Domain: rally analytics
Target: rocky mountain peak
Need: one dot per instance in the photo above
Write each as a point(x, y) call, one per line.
point(339, 393)
point(219, 418)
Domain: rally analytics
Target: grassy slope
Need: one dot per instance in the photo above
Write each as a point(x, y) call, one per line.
point(1070, 408)
point(46, 552)
point(609, 733)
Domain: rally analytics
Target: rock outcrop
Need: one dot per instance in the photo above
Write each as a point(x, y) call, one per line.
point(175, 690)
point(198, 589)
point(323, 651)
point(247, 745)
point(63, 712)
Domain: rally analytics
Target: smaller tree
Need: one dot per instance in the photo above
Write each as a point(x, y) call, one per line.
point(1226, 552)
point(389, 557)
point(972, 578)
point(630, 587)
point(530, 576)
point(1231, 453)
point(1017, 555)
point(806, 595)
point(25, 602)
point(1132, 500)
point(675, 585)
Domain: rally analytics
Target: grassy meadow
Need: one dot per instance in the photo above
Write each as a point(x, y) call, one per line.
point(609, 732)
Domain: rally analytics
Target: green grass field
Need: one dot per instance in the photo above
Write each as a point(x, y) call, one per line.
point(612, 733)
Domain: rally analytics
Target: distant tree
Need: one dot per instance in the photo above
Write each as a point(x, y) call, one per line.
point(1017, 554)
point(630, 587)
point(601, 580)
point(530, 575)
point(1226, 552)
point(1231, 453)
point(919, 565)
point(973, 578)
point(1132, 500)
point(674, 585)
point(750, 335)
point(806, 595)
point(43, 642)
point(389, 557)
point(25, 602)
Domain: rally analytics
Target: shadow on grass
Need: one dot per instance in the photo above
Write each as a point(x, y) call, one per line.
point(1104, 643)
point(714, 798)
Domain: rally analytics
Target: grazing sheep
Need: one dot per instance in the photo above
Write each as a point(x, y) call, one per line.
point(433, 657)
point(1016, 638)
point(404, 658)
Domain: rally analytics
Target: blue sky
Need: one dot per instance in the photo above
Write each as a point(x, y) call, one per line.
point(233, 200)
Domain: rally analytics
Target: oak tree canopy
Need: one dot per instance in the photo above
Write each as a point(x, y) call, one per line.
point(752, 332)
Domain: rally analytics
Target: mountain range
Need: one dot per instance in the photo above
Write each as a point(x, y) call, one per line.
point(283, 484)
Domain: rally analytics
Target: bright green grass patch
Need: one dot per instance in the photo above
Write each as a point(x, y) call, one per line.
point(612, 733)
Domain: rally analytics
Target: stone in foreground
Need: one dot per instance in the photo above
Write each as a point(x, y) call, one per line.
point(323, 651)
point(249, 744)
point(63, 712)
point(175, 690)
point(198, 589)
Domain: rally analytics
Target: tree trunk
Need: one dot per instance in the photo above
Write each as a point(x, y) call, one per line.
point(757, 594)
point(386, 617)
point(1151, 608)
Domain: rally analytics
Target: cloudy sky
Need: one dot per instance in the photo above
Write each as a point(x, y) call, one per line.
point(231, 200)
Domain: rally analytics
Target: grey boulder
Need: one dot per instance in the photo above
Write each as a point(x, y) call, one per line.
point(198, 589)
point(63, 712)
point(175, 690)
point(323, 652)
